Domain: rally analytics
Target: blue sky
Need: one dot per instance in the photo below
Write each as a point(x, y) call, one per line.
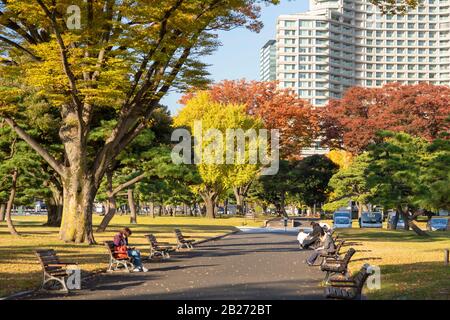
point(238, 57)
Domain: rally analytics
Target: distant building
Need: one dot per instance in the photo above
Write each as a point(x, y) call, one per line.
point(338, 44)
point(268, 63)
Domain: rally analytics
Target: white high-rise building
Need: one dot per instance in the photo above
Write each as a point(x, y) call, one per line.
point(268, 61)
point(338, 44)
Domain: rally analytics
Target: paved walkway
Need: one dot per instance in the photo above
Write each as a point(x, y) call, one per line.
point(246, 265)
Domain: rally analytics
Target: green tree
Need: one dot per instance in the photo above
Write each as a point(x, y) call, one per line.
point(350, 183)
point(274, 189)
point(126, 56)
point(20, 174)
point(435, 176)
point(314, 174)
point(394, 174)
point(298, 182)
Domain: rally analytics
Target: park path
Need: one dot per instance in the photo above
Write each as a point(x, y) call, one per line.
point(245, 265)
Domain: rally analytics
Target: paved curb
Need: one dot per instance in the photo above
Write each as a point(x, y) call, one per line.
point(18, 295)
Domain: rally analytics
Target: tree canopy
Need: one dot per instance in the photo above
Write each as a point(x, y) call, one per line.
point(352, 122)
point(216, 171)
point(124, 57)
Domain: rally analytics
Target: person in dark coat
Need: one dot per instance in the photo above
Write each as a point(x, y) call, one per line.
point(328, 247)
point(314, 236)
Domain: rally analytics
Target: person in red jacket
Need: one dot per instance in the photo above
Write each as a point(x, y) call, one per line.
point(121, 241)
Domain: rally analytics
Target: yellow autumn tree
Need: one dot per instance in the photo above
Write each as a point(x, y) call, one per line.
point(104, 61)
point(340, 157)
point(217, 122)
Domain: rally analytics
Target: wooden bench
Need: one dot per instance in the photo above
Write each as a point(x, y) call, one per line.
point(116, 263)
point(182, 242)
point(158, 249)
point(53, 270)
point(337, 266)
point(348, 288)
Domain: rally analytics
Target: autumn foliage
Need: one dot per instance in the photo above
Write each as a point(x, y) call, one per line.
point(353, 121)
point(278, 109)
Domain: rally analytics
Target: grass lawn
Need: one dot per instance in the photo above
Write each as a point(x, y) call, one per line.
point(20, 270)
point(412, 267)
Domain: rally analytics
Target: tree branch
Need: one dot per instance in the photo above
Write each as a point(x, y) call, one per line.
point(63, 51)
point(17, 29)
point(128, 184)
point(36, 146)
point(18, 46)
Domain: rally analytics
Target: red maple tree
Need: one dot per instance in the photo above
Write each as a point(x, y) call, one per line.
point(352, 122)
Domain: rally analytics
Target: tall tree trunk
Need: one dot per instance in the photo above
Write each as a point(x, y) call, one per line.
point(132, 205)
point(10, 204)
point(410, 223)
point(152, 209)
point(239, 200)
point(79, 193)
point(210, 196)
point(210, 208)
point(77, 180)
point(398, 212)
point(54, 212)
point(240, 194)
point(55, 205)
point(2, 211)
point(282, 204)
point(112, 205)
point(225, 207)
point(360, 209)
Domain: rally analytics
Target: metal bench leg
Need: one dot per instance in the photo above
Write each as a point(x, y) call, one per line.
point(110, 267)
point(327, 276)
point(48, 278)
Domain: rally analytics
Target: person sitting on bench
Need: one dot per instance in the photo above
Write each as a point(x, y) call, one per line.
point(121, 244)
point(315, 235)
point(327, 247)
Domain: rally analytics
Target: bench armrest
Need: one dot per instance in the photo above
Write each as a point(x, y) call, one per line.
point(343, 285)
point(61, 264)
point(329, 255)
point(334, 261)
point(342, 280)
